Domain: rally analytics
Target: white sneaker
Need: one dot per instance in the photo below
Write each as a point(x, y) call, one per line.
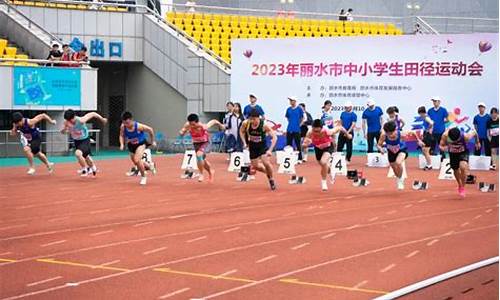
point(400, 183)
point(324, 185)
point(31, 171)
point(50, 167)
point(200, 178)
point(152, 167)
point(143, 180)
point(93, 170)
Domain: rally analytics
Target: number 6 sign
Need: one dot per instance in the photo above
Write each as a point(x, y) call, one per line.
point(236, 161)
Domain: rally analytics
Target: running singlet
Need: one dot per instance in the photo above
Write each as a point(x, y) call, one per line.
point(457, 146)
point(79, 130)
point(426, 124)
point(321, 140)
point(256, 135)
point(28, 132)
point(395, 145)
point(199, 134)
point(327, 119)
point(135, 136)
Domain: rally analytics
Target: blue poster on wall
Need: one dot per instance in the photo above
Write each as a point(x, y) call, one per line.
point(47, 86)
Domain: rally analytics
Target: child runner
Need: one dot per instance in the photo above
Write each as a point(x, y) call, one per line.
point(134, 132)
point(492, 126)
point(456, 142)
point(201, 141)
point(80, 134)
point(253, 133)
point(322, 140)
point(426, 137)
point(31, 139)
point(396, 149)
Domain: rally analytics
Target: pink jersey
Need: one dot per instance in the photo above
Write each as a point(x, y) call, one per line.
point(321, 140)
point(199, 134)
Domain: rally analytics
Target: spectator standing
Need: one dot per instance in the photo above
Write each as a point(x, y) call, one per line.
point(54, 54)
point(372, 124)
point(393, 115)
point(438, 115)
point(480, 124)
point(232, 122)
point(349, 16)
point(304, 127)
point(81, 55)
point(342, 16)
point(67, 55)
point(253, 105)
point(327, 115)
point(493, 135)
point(348, 119)
point(295, 116)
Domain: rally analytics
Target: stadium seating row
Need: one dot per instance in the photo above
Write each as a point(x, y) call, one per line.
point(7, 51)
point(215, 31)
point(67, 6)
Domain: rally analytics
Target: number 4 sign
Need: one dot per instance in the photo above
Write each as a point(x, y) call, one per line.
point(338, 164)
point(446, 172)
point(189, 160)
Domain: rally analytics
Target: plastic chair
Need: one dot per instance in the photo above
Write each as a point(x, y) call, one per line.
point(178, 145)
point(216, 141)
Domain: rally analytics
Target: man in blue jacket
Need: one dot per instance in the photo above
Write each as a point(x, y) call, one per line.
point(480, 124)
point(348, 119)
point(372, 123)
point(439, 115)
point(253, 105)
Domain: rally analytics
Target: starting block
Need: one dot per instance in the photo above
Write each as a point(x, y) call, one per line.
point(420, 185)
point(188, 174)
point(352, 174)
point(244, 175)
point(471, 179)
point(357, 182)
point(297, 180)
point(487, 187)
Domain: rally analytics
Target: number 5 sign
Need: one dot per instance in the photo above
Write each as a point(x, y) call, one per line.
point(338, 164)
point(189, 160)
point(288, 164)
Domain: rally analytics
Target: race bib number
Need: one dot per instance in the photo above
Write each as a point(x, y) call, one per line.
point(189, 160)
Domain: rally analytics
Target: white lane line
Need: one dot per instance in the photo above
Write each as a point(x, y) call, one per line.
point(489, 210)
point(423, 200)
point(154, 250)
point(392, 212)
point(109, 263)
point(266, 258)
point(412, 254)
point(232, 229)
point(477, 217)
point(311, 207)
point(328, 235)
point(101, 232)
point(236, 203)
point(349, 197)
point(178, 216)
point(353, 226)
point(408, 205)
point(58, 219)
point(5, 253)
point(387, 268)
point(432, 242)
point(13, 226)
point(262, 221)
point(227, 273)
point(299, 246)
point(53, 243)
point(132, 206)
point(435, 196)
point(100, 211)
point(174, 293)
point(360, 284)
point(373, 219)
point(142, 224)
point(43, 281)
point(464, 224)
point(197, 239)
point(289, 214)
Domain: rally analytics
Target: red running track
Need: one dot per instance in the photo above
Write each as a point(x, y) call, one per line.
point(66, 237)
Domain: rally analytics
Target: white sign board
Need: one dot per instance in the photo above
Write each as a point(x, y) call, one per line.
point(377, 160)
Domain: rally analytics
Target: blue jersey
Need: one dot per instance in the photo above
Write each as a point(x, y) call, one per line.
point(135, 136)
point(395, 145)
point(426, 124)
point(79, 130)
point(28, 132)
point(327, 119)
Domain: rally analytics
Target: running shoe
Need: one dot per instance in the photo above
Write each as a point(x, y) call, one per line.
point(152, 168)
point(493, 167)
point(461, 191)
point(272, 184)
point(400, 183)
point(324, 185)
point(427, 168)
point(143, 180)
point(50, 167)
point(31, 171)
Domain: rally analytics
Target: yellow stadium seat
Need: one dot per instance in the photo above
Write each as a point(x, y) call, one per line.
point(197, 16)
point(234, 24)
point(40, 4)
point(3, 44)
point(197, 22)
point(29, 3)
point(205, 41)
point(22, 56)
point(10, 51)
point(224, 35)
point(170, 15)
point(224, 23)
point(226, 18)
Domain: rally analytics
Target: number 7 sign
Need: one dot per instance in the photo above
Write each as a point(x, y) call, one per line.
point(189, 160)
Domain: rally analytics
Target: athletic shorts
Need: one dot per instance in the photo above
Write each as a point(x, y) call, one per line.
point(203, 147)
point(319, 152)
point(133, 147)
point(456, 158)
point(494, 142)
point(257, 150)
point(428, 139)
point(34, 145)
point(84, 146)
point(393, 156)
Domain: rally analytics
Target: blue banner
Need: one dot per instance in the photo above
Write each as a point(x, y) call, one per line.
point(47, 86)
